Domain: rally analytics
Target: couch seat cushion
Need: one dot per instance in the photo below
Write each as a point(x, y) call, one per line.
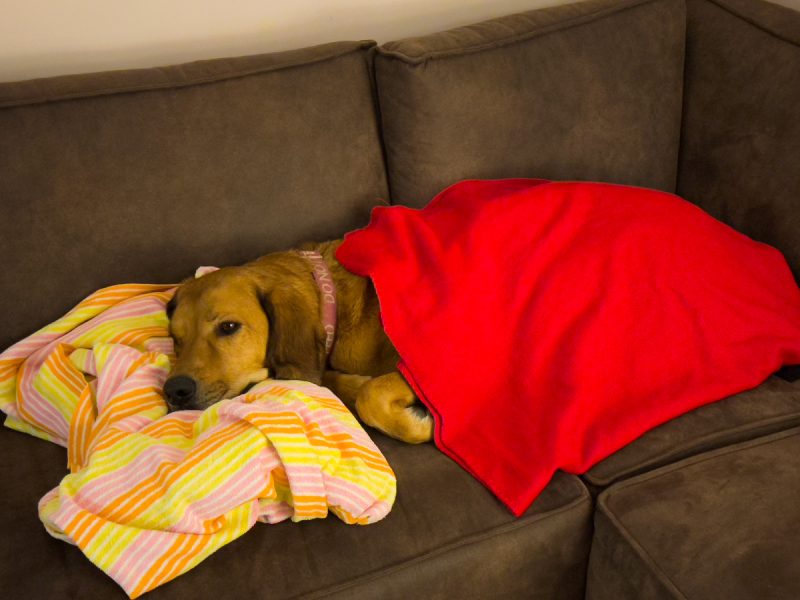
point(447, 536)
point(772, 406)
point(724, 524)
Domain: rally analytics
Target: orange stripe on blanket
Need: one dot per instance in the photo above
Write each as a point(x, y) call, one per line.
point(138, 499)
point(22, 404)
point(83, 526)
point(63, 369)
point(168, 565)
point(138, 404)
point(145, 359)
point(169, 426)
point(139, 336)
point(80, 430)
point(127, 404)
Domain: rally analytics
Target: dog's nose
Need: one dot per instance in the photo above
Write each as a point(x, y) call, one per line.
point(180, 390)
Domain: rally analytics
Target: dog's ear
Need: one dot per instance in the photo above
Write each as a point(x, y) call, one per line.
point(296, 347)
point(173, 302)
point(172, 305)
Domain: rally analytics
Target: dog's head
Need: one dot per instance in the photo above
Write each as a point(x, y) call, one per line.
point(230, 325)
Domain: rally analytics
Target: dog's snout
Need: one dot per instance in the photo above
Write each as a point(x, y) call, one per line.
point(180, 390)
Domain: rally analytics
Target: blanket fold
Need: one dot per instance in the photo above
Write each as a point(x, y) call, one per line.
point(150, 495)
point(548, 324)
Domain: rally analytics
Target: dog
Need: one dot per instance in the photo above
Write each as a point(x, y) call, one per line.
point(237, 325)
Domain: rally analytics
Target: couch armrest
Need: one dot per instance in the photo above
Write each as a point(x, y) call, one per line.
point(740, 141)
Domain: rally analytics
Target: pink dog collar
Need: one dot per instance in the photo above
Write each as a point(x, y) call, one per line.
point(327, 294)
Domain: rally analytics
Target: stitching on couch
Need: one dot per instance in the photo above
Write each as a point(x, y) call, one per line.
point(537, 32)
point(792, 419)
point(146, 87)
point(643, 555)
point(706, 456)
point(451, 546)
point(605, 497)
point(750, 21)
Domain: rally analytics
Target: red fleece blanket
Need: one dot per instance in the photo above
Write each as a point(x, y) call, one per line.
point(546, 325)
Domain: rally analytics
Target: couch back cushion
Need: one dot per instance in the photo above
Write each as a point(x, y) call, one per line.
point(140, 176)
point(588, 91)
point(740, 147)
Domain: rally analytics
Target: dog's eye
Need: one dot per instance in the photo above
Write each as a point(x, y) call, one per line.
point(228, 327)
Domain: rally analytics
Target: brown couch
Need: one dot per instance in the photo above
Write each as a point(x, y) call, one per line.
point(143, 175)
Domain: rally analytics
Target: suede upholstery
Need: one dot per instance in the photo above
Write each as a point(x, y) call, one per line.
point(446, 535)
point(772, 406)
point(587, 91)
point(721, 525)
point(144, 175)
point(741, 125)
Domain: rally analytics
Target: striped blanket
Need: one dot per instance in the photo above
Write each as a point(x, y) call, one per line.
point(150, 495)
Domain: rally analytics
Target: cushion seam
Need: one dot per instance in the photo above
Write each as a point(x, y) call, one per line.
point(537, 32)
point(132, 89)
point(706, 456)
point(448, 547)
point(644, 555)
point(751, 21)
point(693, 444)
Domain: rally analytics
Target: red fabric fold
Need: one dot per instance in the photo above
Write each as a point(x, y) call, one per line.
point(548, 324)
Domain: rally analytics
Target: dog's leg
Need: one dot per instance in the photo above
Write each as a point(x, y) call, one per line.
point(345, 386)
point(387, 403)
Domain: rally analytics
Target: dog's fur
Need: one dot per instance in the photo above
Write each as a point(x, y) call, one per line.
point(274, 303)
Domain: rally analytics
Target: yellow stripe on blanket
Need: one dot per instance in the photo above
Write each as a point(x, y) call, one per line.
point(151, 494)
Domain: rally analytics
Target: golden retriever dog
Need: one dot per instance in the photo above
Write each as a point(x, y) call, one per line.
point(238, 325)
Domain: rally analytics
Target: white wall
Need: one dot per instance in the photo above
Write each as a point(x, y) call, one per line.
point(39, 38)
